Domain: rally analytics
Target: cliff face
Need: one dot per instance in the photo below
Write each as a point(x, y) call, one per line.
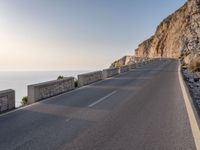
point(125, 61)
point(178, 35)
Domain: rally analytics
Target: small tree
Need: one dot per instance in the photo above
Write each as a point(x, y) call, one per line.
point(24, 100)
point(60, 78)
point(117, 65)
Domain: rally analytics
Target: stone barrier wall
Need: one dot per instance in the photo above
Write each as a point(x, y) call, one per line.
point(37, 92)
point(132, 66)
point(7, 100)
point(110, 72)
point(124, 69)
point(88, 78)
point(139, 64)
point(44, 90)
point(147, 61)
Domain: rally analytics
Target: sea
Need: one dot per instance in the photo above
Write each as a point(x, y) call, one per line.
point(19, 80)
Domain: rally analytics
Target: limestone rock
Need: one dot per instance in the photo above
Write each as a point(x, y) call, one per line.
point(126, 60)
point(177, 36)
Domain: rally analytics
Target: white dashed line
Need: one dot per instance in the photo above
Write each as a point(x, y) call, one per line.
point(102, 99)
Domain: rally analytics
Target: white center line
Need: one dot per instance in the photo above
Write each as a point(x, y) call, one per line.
point(102, 99)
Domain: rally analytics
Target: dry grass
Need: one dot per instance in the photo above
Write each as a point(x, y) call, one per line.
point(194, 65)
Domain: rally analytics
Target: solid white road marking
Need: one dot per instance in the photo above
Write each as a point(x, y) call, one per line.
point(192, 119)
point(102, 99)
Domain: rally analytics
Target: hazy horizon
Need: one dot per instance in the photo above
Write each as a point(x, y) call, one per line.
point(51, 35)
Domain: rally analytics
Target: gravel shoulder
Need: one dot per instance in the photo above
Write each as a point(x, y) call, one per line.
point(192, 81)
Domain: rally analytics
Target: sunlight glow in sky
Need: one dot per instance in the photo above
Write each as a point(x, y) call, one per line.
point(75, 34)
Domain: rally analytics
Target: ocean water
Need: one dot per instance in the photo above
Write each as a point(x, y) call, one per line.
point(18, 81)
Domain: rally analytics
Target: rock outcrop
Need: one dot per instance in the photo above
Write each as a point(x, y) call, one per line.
point(125, 61)
point(177, 36)
point(122, 61)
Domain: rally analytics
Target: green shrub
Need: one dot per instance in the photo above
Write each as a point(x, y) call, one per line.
point(194, 65)
point(24, 100)
point(117, 65)
point(60, 77)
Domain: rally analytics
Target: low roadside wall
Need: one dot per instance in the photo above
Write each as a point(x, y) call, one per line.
point(37, 92)
point(139, 64)
point(7, 100)
point(124, 69)
point(88, 78)
point(132, 66)
point(110, 72)
point(150, 60)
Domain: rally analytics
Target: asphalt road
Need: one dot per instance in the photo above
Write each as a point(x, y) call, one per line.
point(139, 110)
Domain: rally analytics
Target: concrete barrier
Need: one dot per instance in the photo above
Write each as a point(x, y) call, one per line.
point(132, 66)
point(7, 100)
point(144, 62)
point(88, 78)
point(148, 61)
point(139, 64)
point(124, 69)
point(45, 90)
point(110, 72)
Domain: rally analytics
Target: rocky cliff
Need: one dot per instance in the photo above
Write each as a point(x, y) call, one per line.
point(177, 35)
point(125, 61)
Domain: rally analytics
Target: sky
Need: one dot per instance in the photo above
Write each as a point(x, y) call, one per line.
point(75, 34)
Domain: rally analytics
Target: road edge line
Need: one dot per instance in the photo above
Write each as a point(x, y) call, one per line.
point(192, 119)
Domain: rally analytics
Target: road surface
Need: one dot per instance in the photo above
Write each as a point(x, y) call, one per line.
point(139, 110)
